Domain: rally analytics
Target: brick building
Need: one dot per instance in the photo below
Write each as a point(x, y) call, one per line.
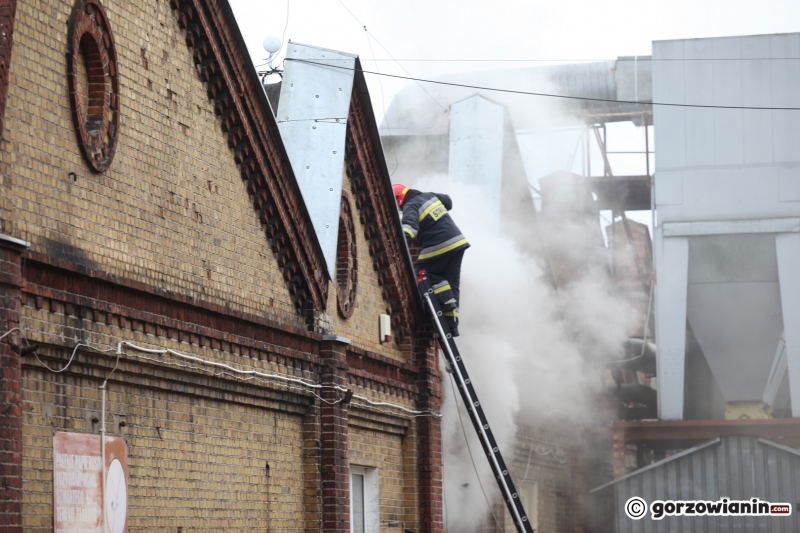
point(148, 203)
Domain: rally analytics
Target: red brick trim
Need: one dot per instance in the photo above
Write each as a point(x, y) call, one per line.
point(429, 432)
point(75, 291)
point(255, 141)
point(10, 391)
point(8, 9)
point(88, 284)
point(333, 439)
point(90, 34)
point(375, 371)
point(374, 203)
point(346, 261)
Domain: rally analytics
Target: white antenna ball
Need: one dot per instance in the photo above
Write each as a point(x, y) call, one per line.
point(271, 44)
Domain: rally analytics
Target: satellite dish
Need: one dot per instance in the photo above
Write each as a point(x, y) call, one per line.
point(116, 498)
point(271, 44)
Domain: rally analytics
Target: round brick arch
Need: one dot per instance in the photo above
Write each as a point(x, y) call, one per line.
point(92, 42)
point(346, 261)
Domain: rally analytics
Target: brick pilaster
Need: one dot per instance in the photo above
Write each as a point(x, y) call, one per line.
point(333, 436)
point(10, 386)
point(429, 437)
point(618, 439)
point(577, 481)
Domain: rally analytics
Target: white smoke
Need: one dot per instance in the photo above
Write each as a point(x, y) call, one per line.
point(533, 352)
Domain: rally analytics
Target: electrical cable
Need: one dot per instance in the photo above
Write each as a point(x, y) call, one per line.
point(380, 84)
point(116, 364)
point(218, 374)
point(283, 37)
point(550, 95)
point(9, 332)
point(466, 440)
point(444, 109)
point(74, 351)
point(569, 61)
point(525, 477)
point(228, 370)
point(383, 105)
point(270, 376)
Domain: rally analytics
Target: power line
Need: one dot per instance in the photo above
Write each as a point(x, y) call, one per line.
point(390, 55)
point(550, 95)
point(283, 37)
point(466, 441)
point(596, 60)
point(383, 100)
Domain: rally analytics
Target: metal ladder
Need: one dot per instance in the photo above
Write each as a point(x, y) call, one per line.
point(474, 408)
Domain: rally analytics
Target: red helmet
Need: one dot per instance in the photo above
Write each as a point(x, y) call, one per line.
point(400, 191)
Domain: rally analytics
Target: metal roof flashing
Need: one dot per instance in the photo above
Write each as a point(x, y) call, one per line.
point(718, 440)
point(658, 463)
point(312, 114)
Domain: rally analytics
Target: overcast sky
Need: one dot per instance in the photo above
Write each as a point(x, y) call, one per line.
point(499, 30)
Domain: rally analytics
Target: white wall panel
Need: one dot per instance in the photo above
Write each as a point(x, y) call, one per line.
point(671, 294)
point(740, 166)
point(757, 91)
point(476, 151)
point(727, 88)
point(786, 93)
point(699, 90)
point(789, 183)
point(669, 188)
point(670, 149)
point(788, 246)
point(731, 193)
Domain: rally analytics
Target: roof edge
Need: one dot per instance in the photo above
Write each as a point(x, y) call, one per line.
point(232, 85)
point(779, 446)
point(360, 85)
point(227, 11)
point(331, 50)
point(684, 453)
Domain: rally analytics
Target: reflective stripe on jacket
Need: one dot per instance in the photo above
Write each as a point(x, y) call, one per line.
point(426, 218)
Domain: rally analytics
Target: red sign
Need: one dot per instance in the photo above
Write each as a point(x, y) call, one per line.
point(78, 503)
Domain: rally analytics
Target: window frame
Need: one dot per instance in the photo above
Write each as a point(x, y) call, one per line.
point(371, 498)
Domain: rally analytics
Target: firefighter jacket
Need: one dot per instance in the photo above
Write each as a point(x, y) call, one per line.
point(426, 219)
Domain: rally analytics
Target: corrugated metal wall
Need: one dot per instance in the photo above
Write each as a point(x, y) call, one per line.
point(738, 468)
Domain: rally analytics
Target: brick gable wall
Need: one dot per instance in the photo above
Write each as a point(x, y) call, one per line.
point(172, 210)
point(170, 248)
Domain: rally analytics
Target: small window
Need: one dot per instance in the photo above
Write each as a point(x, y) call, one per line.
point(529, 494)
point(529, 497)
point(364, 503)
point(357, 502)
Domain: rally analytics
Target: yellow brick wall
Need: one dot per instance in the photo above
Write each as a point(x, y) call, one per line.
point(384, 451)
point(172, 210)
point(551, 475)
point(194, 463)
point(362, 326)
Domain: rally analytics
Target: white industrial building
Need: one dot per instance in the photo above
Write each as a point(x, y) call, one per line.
point(727, 242)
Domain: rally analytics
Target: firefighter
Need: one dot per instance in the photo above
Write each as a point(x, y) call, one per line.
point(426, 219)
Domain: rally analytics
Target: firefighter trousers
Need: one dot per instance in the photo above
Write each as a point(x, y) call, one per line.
point(444, 271)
